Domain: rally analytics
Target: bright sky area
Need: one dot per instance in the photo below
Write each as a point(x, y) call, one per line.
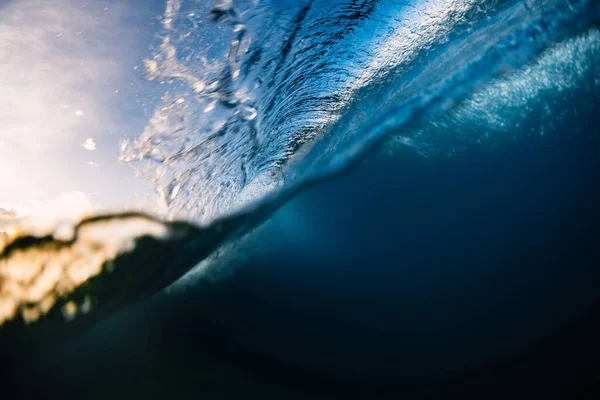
point(71, 88)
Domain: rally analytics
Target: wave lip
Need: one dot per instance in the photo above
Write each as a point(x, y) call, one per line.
point(306, 86)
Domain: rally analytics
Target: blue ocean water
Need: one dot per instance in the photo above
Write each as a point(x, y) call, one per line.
point(472, 276)
point(427, 227)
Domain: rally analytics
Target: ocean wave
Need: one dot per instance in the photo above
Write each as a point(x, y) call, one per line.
point(303, 91)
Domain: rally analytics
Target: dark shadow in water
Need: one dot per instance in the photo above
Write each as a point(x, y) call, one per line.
point(474, 276)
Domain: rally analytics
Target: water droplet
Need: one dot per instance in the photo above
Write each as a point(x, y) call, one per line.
point(175, 191)
point(248, 113)
point(69, 310)
point(198, 87)
point(210, 107)
point(89, 144)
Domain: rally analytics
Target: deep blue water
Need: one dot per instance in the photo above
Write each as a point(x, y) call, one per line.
point(473, 275)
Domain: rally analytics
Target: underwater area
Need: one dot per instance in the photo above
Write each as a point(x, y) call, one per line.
point(332, 199)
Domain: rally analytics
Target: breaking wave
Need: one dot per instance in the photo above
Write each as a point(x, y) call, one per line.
point(303, 90)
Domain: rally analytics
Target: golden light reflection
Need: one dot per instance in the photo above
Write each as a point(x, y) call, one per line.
point(39, 274)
